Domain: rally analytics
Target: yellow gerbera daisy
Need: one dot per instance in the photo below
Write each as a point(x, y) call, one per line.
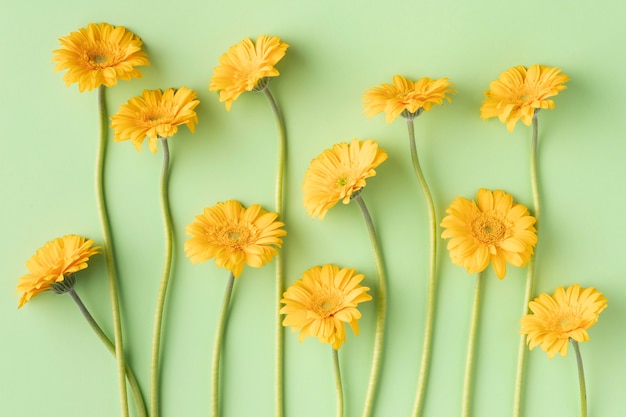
point(100, 54)
point(337, 173)
point(405, 97)
point(519, 93)
point(494, 230)
point(154, 115)
point(52, 263)
point(322, 301)
point(567, 314)
point(235, 236)
point(246, 67)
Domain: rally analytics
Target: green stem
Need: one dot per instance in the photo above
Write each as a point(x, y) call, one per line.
point(161, 296)
point(338, 383)
point(108, 250)
point(132, 380)
point(280, 174)
point(530, 273)
point(581, 379)
point(471, 345)
point(217, 347)
point(432, 276)
point(382, 309)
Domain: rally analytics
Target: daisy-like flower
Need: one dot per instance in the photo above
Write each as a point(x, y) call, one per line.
point(235, 236)
point(567, 314)
point(154, 115)
point(323, 301)
point(405, 97)
point(493, 231)
point(247, 66)
point(100, 54)
point(519, 93)
point(337, 173)
point(52, 263)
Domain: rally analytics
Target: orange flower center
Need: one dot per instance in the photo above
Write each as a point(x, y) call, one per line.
point(327, 304)
point(236, 236)
point(488, 229)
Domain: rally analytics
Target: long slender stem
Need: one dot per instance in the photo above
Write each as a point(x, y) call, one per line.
point(280, 175)
point(530, 273)
point(167, 265)
point(132, 380)
point(581, 379)
point(338, 383)
point(381, 313)
point(109, 254)
point(217, 347)
point(432, 276)
point(471, 346)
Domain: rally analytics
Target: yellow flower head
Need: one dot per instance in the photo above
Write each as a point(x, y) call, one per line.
point(337, 173)
point(493, 231)
point(52, 263)
point(405, 97)
point(234, 236)
point(322, 301)
point(567, 314)
point(519, 93)
point(100, 54)
point(154, 115)
point(246, 67)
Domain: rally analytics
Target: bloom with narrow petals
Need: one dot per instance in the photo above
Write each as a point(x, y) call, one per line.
point(323, 301)
point(247, 66)
point(235, 236)
point(155, 115)
point(53, 263)
point(556, 319)
point(494, 230)
point(519, 93)
point(338, 173)
point(405, 97)
point(100, 54)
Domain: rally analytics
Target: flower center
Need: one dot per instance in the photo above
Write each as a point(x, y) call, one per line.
point(341, 181)
point(488, 229)
point(327, 304)
point(234, 235)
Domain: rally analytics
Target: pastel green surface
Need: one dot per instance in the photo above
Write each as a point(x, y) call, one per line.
point(51, 363)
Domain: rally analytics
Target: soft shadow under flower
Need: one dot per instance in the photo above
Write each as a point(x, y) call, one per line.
point(100, 54)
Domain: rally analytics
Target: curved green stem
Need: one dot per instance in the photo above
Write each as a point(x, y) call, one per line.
point(382, 309)
point(338, 383)
point(160, 304)
point(217, 347)
point(108, 250)
point(471, 346)
point(280, 174)
point(132, 380)
point(581, 378)
point(530, 273)
point(432, 276)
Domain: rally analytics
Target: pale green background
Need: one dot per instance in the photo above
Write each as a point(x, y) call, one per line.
point(51, 363)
